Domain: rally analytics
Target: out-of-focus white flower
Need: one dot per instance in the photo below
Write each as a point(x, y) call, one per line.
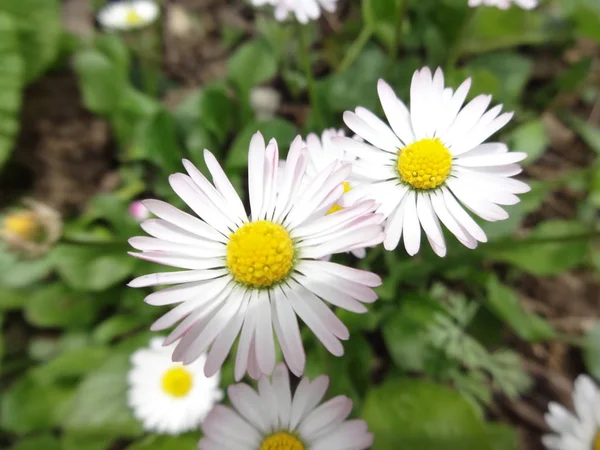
point(274, 419)
point(128, 15)
point(166, 396)
point(505, 4)
point(430, 158)
point(265, 102)
point(33, 230)
point(579, 431)
point(304, 10)
point(138, 211)
point(250, 275)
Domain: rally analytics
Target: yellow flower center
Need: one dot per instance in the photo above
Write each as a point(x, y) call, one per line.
point(133, 18)
point(337, 207)
point(23, 225)
point(425, 164)
point(260, 254)
point(177, 381)
point(282, 441)
point(597, 442)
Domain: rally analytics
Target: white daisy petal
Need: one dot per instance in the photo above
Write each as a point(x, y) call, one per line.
point(410, 224)
point(363, 129)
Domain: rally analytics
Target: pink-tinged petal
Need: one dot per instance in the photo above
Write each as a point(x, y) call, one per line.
point(169, 232)
point(281, 384)
point(270, 180)
point(326, 417)
point(394, 224)
point(206, 249)
point(410, 224)
point(437, 201)
point(323, 282)
point(265, 345)
point(187, 291)
point(241, 359)
point(466, 119)
point(288, 333)
point(367, 132)
point(453, 107)
point(186, 276)
point(363, 150)
point(253, 369)
point(462, 217)
point(352, 434)
point(256, 161)
point(225, 425)
point(396, 112)
point(379, 126)
point(247, 403)
point(293, 173)
point(347, 273)
point(307, 396)
point(182, 262)
point(480, 206)
point(429, 220)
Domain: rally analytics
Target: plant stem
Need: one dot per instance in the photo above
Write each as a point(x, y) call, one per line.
point(355, 49)
point(312, 92)
point(458, 44)
point(400, 13)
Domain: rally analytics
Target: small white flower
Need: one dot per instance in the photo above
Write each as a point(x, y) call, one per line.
point(138, 211)
point(265, 102)
point(250, 275)
point(505, 4)
point(432, 158)
point(166, 396)
point(274, 419)
point(304, 10)
point(128, 15)
point(579, 431)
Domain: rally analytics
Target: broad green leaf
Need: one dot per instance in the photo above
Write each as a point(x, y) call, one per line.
point(251, 64)
point(29, 406)
point(502, 437)
point(93, 267)
point(100, 80)
point(283, 131)
point(56, 305)
point(405, 414)
point(39, 28)
point(45, 442)
point(586, 15)
point(115, 50)
point(531, 138)
point(505, 304)
point(117, 326)
point(216, 111)
point(552, 247)
point(19, 273)
point(85, 441)
point(155, 442)
point(588, 132)
point(71, 364)
point(13, 299)
point(99, 405)
point(12, 72)
point(591, 350)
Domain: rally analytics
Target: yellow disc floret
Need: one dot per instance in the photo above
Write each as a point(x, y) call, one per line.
point(282, 441)
point(133, 18)
point(177, 381)
point(425, 164)
point(260, 254)
point(337, 207)
point(23, 225)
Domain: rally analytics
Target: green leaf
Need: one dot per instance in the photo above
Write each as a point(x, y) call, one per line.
point(531, 138)
point(29, 406)
point(251, 64)
point(588, 132)
point(405, 414)
point(502, 437)
point(93, 267)
point(11, 82)
point(17, 273)
point(101, 82)
point(117, 326)
point(71, 364)
point(591, 350)
point(45, 442)
point(13, 299)
point(552, 247)
point(154, 442)
point(38, 23)
point(216, 111)
point(85, 441)
point(281, 130)
point(56, 305)
point(505, 304)
point(99, 405)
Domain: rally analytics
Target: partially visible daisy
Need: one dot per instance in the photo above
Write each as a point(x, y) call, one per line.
point(274, 419)
point(252, 274)
point(432, 163)
point(322, 152)
point(505, 4)
point(579, 431)
point(304, 10)
point(127, 15)
point(166, 396)
point(138, 211)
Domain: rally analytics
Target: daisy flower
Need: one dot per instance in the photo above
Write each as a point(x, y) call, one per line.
point(505, 4)
point(167, 397)
point(252, 274)
point(304, 10)
point(579, 431)
point(322, 152)
point(128, 15)
point(432, 163)
point(274, 419)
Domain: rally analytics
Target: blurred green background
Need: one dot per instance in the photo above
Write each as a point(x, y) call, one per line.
point(462, 352)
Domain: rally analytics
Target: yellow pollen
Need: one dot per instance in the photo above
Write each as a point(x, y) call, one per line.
point(597, 441)
point(260, 254)
point(23, 225)
point(133, 18)
point(337, 207)
point(282, 441)
point(425, 164)
point(177, 381)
